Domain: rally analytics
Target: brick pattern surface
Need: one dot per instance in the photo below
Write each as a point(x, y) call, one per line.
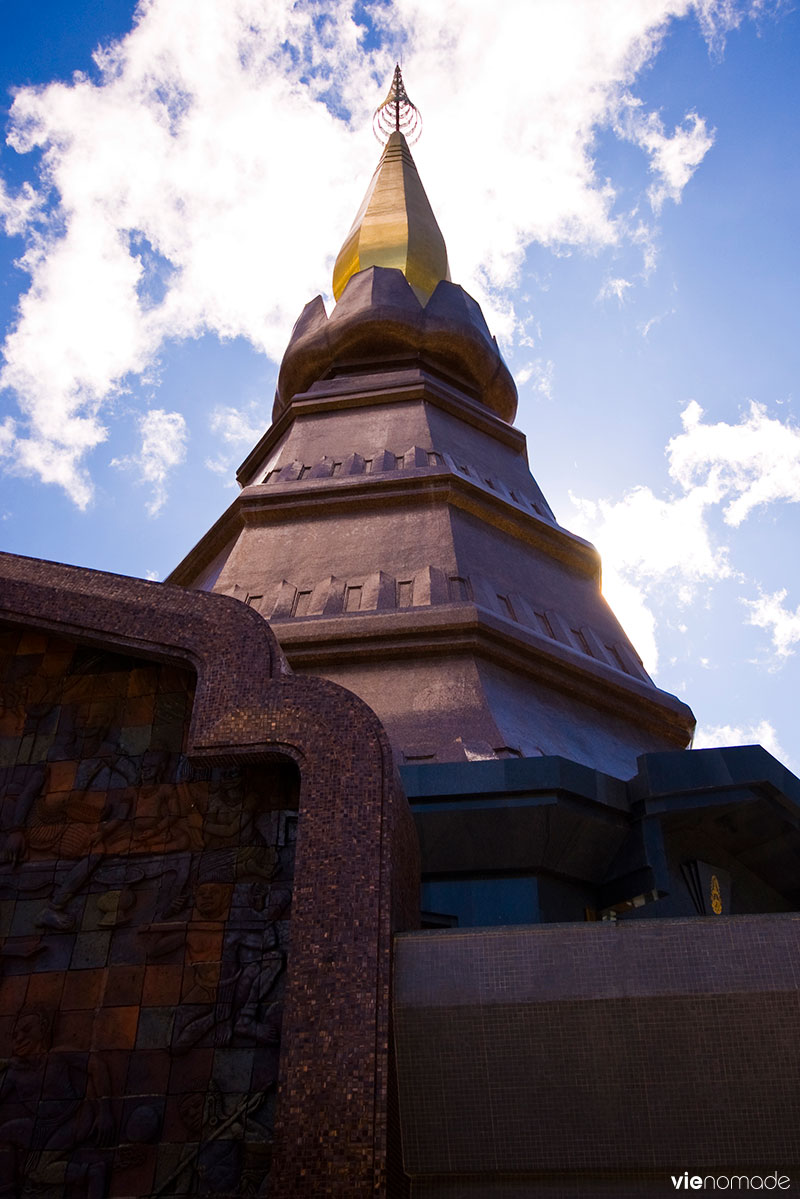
point(575, 1061)
point(149, 861)
point(145, 907)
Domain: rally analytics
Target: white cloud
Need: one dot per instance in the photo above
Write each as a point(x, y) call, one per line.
point(718, 17)
point(649, 542)
point(202, 185)
point(754, 462)
point(237, 429)
point(614, 288)
point(769, 612)
point(163, 447)
point(569, 68)
point(239, 426)
point(18, 211)
point(673, 157)
point(538, 377)
point(7, 436)
point(762, 733)
point(651, 538)
point(185, 154)
point(647, 325)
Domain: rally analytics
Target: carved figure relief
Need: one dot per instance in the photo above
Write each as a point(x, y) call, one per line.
point(39, 1150)
point(145, 916)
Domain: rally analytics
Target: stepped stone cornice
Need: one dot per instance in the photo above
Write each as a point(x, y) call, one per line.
point(271, 503)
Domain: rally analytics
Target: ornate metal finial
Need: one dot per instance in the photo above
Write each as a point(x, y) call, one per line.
point(395, 227)
point(397, 114)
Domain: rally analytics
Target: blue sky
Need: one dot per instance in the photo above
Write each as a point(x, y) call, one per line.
point(617, 184)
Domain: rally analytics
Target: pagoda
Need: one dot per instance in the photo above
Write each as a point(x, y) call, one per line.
point(389, 528)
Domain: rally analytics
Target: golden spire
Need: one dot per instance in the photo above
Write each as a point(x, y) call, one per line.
point(395, 225)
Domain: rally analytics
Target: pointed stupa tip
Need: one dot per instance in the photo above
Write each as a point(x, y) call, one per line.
point(395, 225)
point(397, 114)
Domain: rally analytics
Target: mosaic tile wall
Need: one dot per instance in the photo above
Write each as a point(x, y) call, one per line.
point(144, 915)
point(598, 1060)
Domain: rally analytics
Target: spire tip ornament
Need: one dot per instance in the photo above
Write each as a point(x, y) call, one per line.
point(397, 114)
point(395, 226)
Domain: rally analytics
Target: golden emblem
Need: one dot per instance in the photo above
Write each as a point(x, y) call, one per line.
point(716, 896)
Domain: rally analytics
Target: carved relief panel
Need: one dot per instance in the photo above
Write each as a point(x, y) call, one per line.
point(144, 916)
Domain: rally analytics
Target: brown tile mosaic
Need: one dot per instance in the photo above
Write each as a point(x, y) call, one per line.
point(156, 853)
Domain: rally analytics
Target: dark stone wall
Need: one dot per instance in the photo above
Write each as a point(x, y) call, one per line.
point(576, 1061)
point(144, 907)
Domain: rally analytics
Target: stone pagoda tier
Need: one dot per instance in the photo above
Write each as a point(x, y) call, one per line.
point(389, 528)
